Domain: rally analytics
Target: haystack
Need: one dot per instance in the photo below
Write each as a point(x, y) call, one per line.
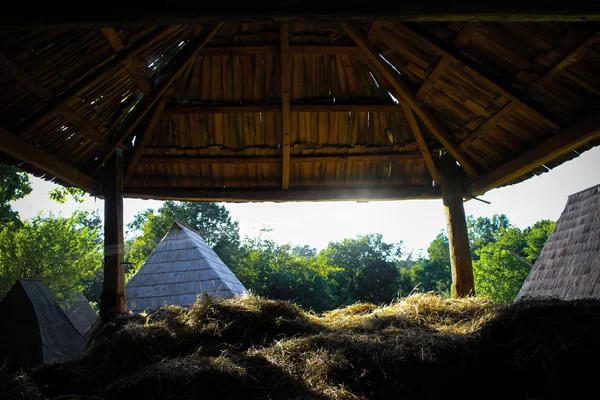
point(181, 268)
point(34, 329)
point(569, 265)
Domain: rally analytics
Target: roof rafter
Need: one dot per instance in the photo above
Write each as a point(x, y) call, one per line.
point(410, 34)
point(173, 70)
point(375, 106)
point(403, 92)
point(414, 126)
point(27, 152)
point(562, 143)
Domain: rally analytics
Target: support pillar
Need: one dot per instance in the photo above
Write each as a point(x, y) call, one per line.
point(458, 238)
point(113, 289)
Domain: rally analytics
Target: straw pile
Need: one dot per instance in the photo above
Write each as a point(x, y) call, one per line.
point(420, 347)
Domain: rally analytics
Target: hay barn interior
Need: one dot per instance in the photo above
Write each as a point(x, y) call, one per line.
point(298, 101)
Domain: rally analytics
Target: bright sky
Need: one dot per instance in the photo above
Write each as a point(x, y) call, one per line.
point(415, 222)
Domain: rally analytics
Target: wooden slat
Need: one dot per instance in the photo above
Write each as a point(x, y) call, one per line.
point(466, 34)
point(234, 160)
point(115, 42)
point(94, 77)
point(144, 139)
point(562, 143)
point(505, 111)
point(416, 130)
point(437, 72)
point(256, 108)
point(299, 194)
point(286, 83)
point(374, 31)
point(273, 49)
point(573, 58)
point(173, 70)
point(402, 90)
point(26, 152)
point(408, 33)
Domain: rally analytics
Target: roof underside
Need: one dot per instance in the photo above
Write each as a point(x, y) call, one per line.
point(299, 110)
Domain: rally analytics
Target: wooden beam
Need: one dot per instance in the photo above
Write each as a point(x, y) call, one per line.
point(466, 34)
point(374, 31)
point(256, 108)
point(115, 42)
point(113, 298)
point(577, 55)
point(435, 75)
point(416, 130)
point(45, 95)
point(405, 94)
point(456, 225)
point(52, 106)
point(415, 37)
point(144, 139)
point(285, 195)
point(236, 160)
point(490, 123)
point(38, 158)
point(276, 48)
point(562, 143)
point(173, 70)
point(286, 83)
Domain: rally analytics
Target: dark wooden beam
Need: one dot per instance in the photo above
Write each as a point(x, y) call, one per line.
point(286, 86)
point(38, 158)
point(490, 123)
point(374, 31)
point(562, 143)
point(113, 298)
point(236, 160)
point(291, 194)
point(276, 48)
point(115, 42)
point(144, 139)
point(53, 105)
point(256, 108)
point(405, 94)
point(173, 70)
point(474, 70)
point(456, 225)
point(416, 130)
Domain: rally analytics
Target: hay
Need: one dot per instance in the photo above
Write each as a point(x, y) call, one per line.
point(419, 347)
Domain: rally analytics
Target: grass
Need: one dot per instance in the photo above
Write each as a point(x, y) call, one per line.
point(419, 347)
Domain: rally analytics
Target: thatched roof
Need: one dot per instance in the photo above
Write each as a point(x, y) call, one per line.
point(298, 108)
point(180, 268)
point(569, 265)
point(80, 312)
point(34, 329)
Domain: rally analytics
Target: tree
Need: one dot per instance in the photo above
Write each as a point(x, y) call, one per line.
point(210, 219)
point(61, 252)
point(433, 273)
point(14, 184)
point(483, 230)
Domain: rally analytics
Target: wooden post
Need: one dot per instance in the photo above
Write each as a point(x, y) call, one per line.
point(113, 289)
point(460, 252)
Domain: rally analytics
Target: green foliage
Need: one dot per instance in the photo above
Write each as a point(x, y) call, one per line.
point(14, 184)
point(60, 194)
point(483, 230)
point(210, 219)
point(433, 273)
point(63, 253)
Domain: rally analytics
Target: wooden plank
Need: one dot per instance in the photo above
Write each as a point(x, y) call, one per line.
point(144, 139)
point(237, 160)
point(538, 112)
point(94, 77)
point(26, 152)
point(577, 55)
point(173, 71)
point(402, 91)
point(341, 193)
point(273, 49)
point(490, 123)
point(372, 105)
point(374, 31)
point(437, 72)
point(416, 130)
point(562, 143)
point(456, 225)
point(286, 82)
point(466, 34)
point(113, 288)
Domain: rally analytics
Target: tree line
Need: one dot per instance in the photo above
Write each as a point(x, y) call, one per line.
point(66, 254)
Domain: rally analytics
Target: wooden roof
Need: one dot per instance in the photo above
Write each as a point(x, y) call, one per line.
point(569, 265)
point(181, 267)
point(299, 109)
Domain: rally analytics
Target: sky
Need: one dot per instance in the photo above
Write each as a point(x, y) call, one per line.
point(414, 222)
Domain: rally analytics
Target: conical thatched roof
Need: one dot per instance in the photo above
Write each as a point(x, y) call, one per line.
point(179, 269)
point(34, 329)
point(569, 265)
